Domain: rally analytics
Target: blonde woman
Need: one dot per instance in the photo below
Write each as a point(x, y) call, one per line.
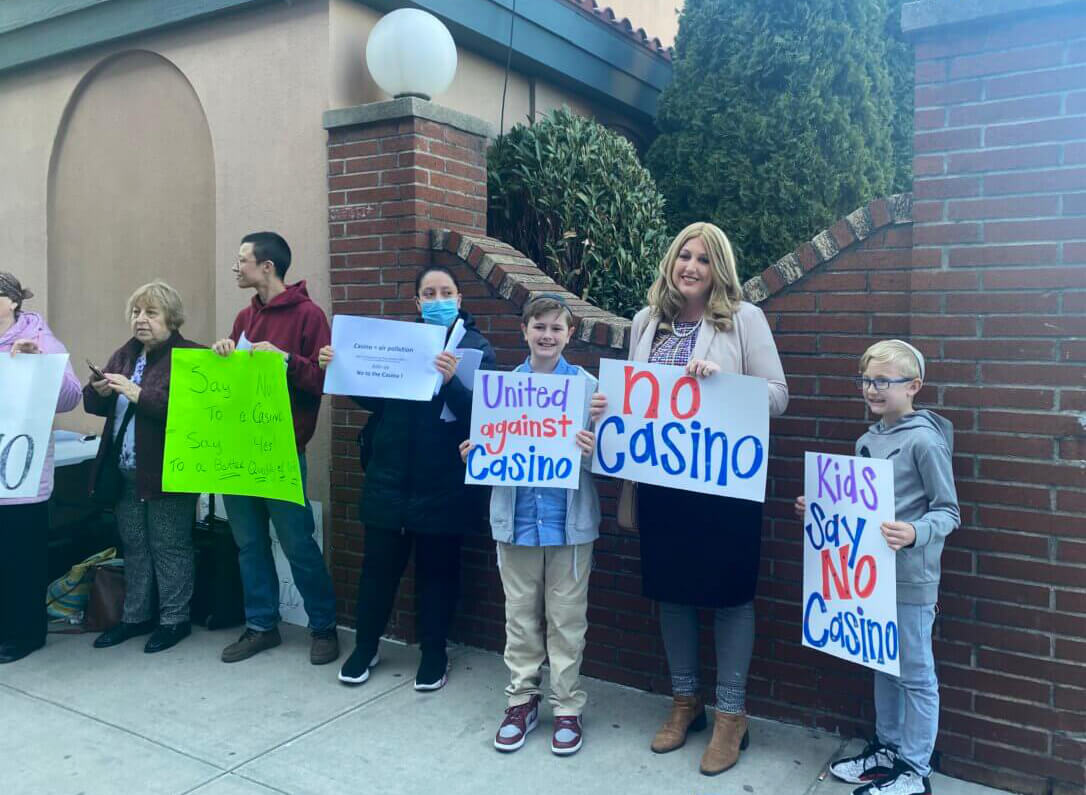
point(702, 550)
point(131, 392)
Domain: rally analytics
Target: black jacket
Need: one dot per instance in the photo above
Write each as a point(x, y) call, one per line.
point(414, 476)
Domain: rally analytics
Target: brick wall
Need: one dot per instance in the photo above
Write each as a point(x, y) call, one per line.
point(985, 272)
point(998, 298)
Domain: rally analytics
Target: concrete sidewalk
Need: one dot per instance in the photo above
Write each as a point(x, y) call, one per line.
point(82, 720)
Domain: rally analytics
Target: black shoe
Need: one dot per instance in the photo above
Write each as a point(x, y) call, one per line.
point(433, 671)
point(119, 633)
point(167, 635)
point(12, 652)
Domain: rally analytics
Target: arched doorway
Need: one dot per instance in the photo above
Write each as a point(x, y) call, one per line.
point(131, 199)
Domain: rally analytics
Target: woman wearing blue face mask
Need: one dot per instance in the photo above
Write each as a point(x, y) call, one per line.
point(414, 495)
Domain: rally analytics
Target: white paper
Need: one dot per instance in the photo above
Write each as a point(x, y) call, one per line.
point(456, 335)
point(383, 358)
point(243, 343)
point(29, 389)
point(699, 434)
point(291, 605)
point(849, 571)
point(470, 358)
point(524, 428)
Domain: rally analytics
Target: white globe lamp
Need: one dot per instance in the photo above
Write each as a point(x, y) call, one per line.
point(410, 53)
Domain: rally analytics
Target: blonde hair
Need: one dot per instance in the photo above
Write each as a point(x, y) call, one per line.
point(726, 293)
point(897, 352)
point(161, 295)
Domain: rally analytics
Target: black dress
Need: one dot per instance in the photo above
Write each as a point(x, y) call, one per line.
point(696, 549)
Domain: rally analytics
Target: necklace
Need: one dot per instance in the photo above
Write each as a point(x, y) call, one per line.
point(684, 334)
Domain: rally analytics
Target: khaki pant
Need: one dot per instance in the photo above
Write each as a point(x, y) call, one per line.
point(548, 583)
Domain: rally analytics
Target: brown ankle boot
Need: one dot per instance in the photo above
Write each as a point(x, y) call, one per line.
point(730, 736)
point(687, 715)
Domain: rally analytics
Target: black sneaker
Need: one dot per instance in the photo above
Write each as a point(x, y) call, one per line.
point(433, 672)
point(356, 670)
point(875, 761)
point(903, 780)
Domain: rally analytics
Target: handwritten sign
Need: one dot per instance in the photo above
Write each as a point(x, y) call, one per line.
point(384, 358)
point(29, 389)
point(229, 428)
point(524, 427)
point(849, 572)
point(699, 434)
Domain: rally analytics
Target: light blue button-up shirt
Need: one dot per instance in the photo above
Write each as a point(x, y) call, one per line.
point(539, 518)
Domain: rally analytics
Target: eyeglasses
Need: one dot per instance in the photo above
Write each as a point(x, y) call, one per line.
point(880, 384)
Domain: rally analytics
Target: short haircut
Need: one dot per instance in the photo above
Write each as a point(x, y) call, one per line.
point(543, 304)
point(160, 295)
point(431, 269)
point(896, 352)
point(271, 247)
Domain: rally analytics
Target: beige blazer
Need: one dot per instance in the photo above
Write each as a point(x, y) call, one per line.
point(747, 349)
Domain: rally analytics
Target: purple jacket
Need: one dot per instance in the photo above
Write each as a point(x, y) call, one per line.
point(31, 326)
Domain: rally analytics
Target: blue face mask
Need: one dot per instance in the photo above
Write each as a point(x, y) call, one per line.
point(440, 311)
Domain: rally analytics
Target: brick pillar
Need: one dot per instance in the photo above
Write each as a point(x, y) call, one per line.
point(999, 304)
point(396, 170)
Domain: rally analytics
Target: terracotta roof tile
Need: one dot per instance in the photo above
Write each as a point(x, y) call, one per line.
point(606, 16)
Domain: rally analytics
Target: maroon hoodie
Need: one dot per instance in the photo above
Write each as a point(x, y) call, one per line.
point(293, 323)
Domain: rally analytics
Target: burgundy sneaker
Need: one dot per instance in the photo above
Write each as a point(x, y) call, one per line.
point(568, 735)
point(519, 720)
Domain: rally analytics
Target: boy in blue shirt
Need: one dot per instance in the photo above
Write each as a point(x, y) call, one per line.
point(544, 545)
point(920, 444)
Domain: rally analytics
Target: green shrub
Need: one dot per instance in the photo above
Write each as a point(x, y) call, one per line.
point(778, 121)
point(572, 196)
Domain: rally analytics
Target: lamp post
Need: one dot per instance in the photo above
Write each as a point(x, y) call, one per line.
point(410, 53)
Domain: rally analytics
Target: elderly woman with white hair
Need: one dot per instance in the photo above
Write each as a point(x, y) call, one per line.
point(131, 392)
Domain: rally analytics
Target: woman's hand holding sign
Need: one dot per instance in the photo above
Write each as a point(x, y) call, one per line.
point(597, 406)
point(25, 346)
point(325, 356)
point(702, 368)
point(446, 364)
point(586, 440)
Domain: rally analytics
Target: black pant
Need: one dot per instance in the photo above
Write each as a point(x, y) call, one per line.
point(437, 585)
point(24, 569)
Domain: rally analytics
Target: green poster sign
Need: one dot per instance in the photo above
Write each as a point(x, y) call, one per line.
point(229, 429)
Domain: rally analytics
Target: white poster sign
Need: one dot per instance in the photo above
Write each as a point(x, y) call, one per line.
point(670, 429)
point(383, 358)
point(29, 389)
point(849, 571)
point(524, 428)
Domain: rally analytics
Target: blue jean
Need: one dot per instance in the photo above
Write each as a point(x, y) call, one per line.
point(907, 707)
point(294, 527)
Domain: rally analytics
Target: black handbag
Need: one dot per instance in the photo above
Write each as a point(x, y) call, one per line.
point(108, 483)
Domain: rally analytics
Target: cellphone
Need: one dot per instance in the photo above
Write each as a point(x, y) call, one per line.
point(98, 373)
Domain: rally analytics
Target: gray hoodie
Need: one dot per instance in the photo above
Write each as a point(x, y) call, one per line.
point(920, 445)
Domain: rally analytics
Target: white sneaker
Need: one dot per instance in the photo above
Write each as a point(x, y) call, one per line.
point(349, 673)
point(902, 781)
point(875, 761)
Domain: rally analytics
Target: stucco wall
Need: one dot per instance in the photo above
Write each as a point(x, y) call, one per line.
point(261, 78)
point(659, 18)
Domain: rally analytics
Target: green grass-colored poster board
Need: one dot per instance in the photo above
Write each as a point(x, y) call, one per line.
point(229, 429)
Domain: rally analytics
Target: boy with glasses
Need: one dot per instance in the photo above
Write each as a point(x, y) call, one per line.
point(920, 444)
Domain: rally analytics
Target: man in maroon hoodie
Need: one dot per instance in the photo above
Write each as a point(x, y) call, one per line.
point(281, 319)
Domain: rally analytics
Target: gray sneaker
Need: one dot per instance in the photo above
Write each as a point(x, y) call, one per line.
point(324, 647)
point(251, 642)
